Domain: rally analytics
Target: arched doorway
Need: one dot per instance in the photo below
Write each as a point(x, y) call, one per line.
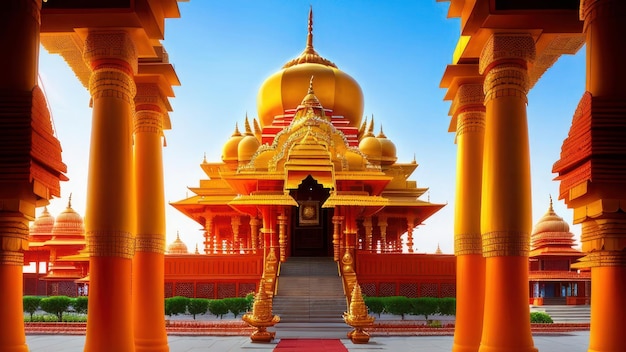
point(311, 225)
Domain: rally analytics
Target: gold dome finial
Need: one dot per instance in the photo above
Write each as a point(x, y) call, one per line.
point(381, 134)
point(309, 55)
point(551, 208)
point(247, 124)
point(236, 133)
point(370, 128)
point(69, 201)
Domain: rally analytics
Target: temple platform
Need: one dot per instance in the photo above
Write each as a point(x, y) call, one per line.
point(576, 341)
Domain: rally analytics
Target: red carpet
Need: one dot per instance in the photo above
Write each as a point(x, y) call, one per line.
point(310, 345)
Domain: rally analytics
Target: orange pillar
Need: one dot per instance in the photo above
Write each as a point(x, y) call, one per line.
point(20, 38)
point(469, 112)
point(149, 260)
point(506, 214)
point(110, 210)
point(592, 174)
point(337, 221)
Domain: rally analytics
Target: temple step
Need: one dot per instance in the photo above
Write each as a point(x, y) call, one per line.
point(309, 290)
point(566, 313)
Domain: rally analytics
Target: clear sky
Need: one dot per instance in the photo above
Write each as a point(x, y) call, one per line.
point(397, 50)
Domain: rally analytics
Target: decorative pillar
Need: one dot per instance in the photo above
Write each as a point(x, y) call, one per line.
point(382, 225)
point(282, 241)
point(254, 233)
point(592, 172)
point(337, 220)
point(149, 260)
point(110, 215)
point(469, 112)
point(270, 261)
point(20, 22)
point(367, 224)
point(506, 210)
point(235, 221)
point(409, 233)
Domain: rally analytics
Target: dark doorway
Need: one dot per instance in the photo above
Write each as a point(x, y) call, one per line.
point(311, 224)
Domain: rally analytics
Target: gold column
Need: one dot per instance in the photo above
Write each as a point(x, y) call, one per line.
point(469, 112)
point(282, 241)
point(506, 213)
point(382, 225)
point(409, 233)
point(254, 233)
point(367, 224)
point(337, 220)
point(149, 260)
point(110, 215)
point(235, 222)
point(20, 20)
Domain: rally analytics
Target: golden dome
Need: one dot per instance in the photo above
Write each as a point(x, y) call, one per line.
point(336, 89)
point(177, 247)
point(388, 149)
point(551, 230)
point(370, 145)
point(229, 150)
point(248, 144)
point(69, 224)
point(41, 229)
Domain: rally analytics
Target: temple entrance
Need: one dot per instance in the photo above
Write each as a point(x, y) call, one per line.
point(311, 225)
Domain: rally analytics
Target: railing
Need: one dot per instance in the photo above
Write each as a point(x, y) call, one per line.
point(411, 275)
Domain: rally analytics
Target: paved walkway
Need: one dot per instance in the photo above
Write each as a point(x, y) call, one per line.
point(563, 342)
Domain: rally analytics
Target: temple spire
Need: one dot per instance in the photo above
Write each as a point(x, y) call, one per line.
point(309, 38)
point(309, 55)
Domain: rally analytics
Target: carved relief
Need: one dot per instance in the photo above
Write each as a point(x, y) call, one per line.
point(110, 244)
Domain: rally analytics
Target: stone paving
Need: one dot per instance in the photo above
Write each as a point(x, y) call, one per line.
point(576, 341)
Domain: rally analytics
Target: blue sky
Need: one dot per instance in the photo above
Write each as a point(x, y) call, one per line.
point(397, 50)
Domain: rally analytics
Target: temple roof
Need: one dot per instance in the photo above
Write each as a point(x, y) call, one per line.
point(551, 237)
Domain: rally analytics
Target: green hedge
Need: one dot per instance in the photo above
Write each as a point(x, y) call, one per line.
point(540, 318)
point(400, 305)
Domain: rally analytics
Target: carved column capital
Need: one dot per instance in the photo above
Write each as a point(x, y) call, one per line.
point(507, 47)
point(111, 244)
point(13, 240)
point(110, 48)
point(468, 106)
point(505, 243)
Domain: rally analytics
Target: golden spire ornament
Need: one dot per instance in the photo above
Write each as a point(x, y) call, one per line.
point(357, 317)
point(261, 316)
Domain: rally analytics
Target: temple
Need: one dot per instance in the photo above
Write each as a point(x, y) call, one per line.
point(308, 178)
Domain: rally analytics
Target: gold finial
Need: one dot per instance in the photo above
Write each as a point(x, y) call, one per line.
point(309, 37)
point(177, 235)
point(247, 124)
point(236, 133)
point(370, 128)
point(551, 208)
point(257, 127)
point(309, 55)
point(204, 158)
point(197, 251)
point(69, 201)
point(381, 134)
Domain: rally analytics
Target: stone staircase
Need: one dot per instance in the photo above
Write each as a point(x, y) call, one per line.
point(565, 313)
point(309, 291)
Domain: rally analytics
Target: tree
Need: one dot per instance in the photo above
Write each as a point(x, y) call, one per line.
point(176, 305)
point(31, 304)
point(374, 304)
point(236, 305)
point(397, 305)
point(218, 308)
point(80, 304)
point(197, 306)
point(56, 305)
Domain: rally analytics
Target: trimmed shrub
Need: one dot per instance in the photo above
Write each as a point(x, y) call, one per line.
point(250, 301)
point(375, 305)
point(56, 305)
point(218, 308)
point(426, 306)
point(397, 305)
point(31, 304)
point(197, 306)
point(236, 305)
point(447, 306)
point(540, 318)
point(80, 304)
point(176, 305)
